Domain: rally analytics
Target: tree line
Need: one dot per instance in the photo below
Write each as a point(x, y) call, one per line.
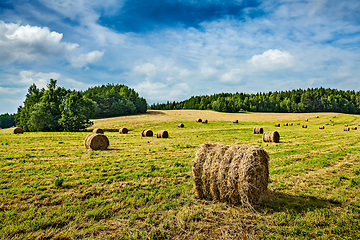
point(7, 120)
point(294, 101)
point(60, 109)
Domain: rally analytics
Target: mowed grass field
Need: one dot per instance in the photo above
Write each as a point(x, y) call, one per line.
point(142, 188)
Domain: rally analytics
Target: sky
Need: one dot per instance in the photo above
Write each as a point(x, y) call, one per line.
point(170, 50)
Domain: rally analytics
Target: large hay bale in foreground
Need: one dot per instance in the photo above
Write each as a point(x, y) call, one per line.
point(147, 133)
point(181, 125)
point(321, 127)
point(17, 130)
point(237, 174)
point(354, 128)
point(123, 130)
point(162, 134)
point(277, 124)
point(346, 129)
point(236, 121)
point(271, 137)
point(198, 120)
point(98, 130)
point(304, 126)
point(96, 141)
point(258, 130)
point(205, 121)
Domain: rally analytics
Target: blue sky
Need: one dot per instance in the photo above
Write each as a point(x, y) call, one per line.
point(173, 49)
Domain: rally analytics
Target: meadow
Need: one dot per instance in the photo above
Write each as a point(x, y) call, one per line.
point(52, 187)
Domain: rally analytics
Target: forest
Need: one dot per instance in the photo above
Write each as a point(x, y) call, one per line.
point(294, 101)
point(60, 109)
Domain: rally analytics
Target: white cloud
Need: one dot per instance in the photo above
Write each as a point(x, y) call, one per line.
point(83, 59)
point(40, 79)
point(6, 90)
point(272, 59)
point(158, 91)
point(148, 69)
point(30, 43)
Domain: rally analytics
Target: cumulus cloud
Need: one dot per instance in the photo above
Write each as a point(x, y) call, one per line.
point(83, 59)
point(158, 91)
point(30, 43)
point(40, 79)
point(272, 59)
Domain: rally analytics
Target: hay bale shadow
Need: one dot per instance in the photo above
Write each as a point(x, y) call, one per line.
point(279, 202)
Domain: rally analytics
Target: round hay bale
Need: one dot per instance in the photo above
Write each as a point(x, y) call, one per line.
point(96, 141)
point(290, 124)
point(258, 130)
point(354, 128)
point(317, 116)
point(181, 125)
point(277, 124)
point(321, 127)
point(286, 124)
point(332, 124)
point(237, 174)
point(147, 133)
point(271, 137)
point(198, 120)
point(346, 129)
point(326, 123)
point(162, 134)
point(306, 120)
point(334, 116)
point(17, 130)
point(346, 125)
point(98, 130)
point(205, 121)
point(304, 126)
point(298, 123)
point(123, 130)
point(236, 121)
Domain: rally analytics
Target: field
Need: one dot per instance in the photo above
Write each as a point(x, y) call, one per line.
point(51, 187)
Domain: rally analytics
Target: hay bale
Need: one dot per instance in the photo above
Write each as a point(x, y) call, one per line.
point(346, 125)
point(304, 126)
point(98, 130)
point(123, 130)
point(236, 121)
point(286, 124)
point(162, 134)
point(277, 124)
point(147, 133)
point(96, 141)
point(317, 116)
point(290, 124)
point(298, 123)
point(326, 123)
point(354, 128)
point(334, 116)
point(181, 125)
point(346, 129)
point(321, 127)
point(17, 130)
point(205, 121)
point(306, 120)
point(258, 130)
point(271, 137)
point(332, 124)
point(237, 174)
point(198, 120)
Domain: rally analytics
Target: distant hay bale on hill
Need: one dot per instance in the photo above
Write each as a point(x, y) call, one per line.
point(198, 120)
point(277, 124)
point(237, 174)
point(298, 123)
point(17, 130)
point(317, 116)
point(326, 123)
point(271, 137)
point(258, 130)
point(306, 120)
point(354, 128)
point(96, 141)
point(346, 125)
point(321, 127)
point(181, 125)
point(162, 134)
point(98, 130)
point(286, 124)
point(346, 129)
point(147, 133)
point(205, 121)
point(334, 116)
point(332, 124)
point(304, 126)
point(236, 121)
point(290, 124)
point(123, 130)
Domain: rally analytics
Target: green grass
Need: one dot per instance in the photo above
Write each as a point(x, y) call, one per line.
point(141, 188)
